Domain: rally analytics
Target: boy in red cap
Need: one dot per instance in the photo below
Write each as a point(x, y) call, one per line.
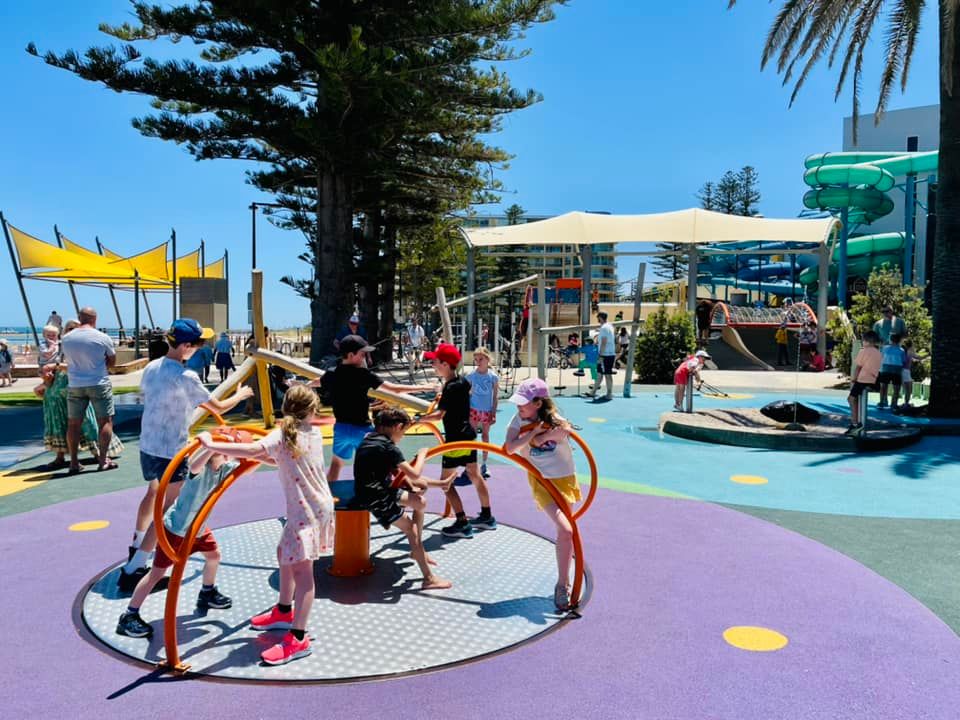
point(454, 409)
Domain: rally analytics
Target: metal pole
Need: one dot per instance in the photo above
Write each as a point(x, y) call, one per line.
point(203, 259)
point(908, 223)
point(73, 292)
point(471, 289)
point(586, 257)
point(842, 260)
point(692, 270)
point(634, 330)
point(823, 288)
point(16, 270)
point(113, 295)
point(253, 235)
point(136, 314)
point(146, 304)
point(541, 321)
point(688, 401)
point(173, 239)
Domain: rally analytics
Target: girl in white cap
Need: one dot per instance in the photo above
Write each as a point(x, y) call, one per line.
point(539, 434)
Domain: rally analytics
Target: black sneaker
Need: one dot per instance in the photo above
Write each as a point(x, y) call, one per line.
point(130, 551)
point(132, 625)
point(853, 430)
point(128, 581)
point(484, 522)
point(461, 528)
point(213, 598)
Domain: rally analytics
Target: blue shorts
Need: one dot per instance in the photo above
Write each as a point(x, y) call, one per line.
point(347, 438)
point(153, 468)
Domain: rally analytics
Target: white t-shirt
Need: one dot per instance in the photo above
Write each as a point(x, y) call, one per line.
point(170, 394)
point(553, 460)
point(606, 340)
point(416, 335)
point(86, 350)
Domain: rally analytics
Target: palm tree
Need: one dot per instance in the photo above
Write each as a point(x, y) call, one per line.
point(807, 31)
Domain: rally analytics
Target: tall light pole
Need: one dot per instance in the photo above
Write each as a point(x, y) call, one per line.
point(253, 229)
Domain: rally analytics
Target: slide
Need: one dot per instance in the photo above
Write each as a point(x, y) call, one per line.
point(730, 351)
point(864, 253)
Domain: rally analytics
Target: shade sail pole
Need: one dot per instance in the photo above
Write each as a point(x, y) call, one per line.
point(136, 314)
point(146, 304)
point(73, 292)
point(16, 270)
point(113, 296)
point(173, 240)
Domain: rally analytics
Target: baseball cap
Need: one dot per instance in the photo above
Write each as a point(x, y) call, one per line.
point(188, 330)
point(354, 319)
point(702, 353)
point(354, 343)
point(445, 352)
point(529, 390)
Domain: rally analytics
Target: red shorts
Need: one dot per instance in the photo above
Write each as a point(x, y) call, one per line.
point(681, 375)
point(482, 417)
point(204, 542)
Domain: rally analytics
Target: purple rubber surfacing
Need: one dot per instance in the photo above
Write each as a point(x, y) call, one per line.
point(669, 577)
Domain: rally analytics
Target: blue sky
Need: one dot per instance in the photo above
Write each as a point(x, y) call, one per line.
point(643, 102)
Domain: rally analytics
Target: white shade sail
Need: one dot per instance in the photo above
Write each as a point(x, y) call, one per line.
point(693, 226)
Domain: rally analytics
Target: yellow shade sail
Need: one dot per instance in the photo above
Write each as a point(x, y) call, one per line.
point(216, 269)
point(187, 265)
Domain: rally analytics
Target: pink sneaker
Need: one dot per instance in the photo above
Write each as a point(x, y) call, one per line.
point(286, 650)
point(273, 620)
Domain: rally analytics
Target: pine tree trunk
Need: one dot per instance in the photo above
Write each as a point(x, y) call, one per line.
point(945, 283)
point(333, 264)
point(388, 294)
point(370, 277)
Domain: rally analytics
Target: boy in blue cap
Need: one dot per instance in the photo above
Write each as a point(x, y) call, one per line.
point(171, 392)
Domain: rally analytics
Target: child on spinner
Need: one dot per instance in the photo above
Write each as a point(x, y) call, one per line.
point(296, 447)
point(454, 408)
point(691, 364)
point(386, 485)
point(347, 386)
point(484, 391)
point(540, 435)
point(208, 470)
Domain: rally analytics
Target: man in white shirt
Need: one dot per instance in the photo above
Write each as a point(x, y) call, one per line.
point(415, 334)
point(89, 355)
point(607, 344)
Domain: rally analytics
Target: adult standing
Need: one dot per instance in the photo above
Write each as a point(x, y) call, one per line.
point(607, 345)
point(54, 392)
point(415, 336)
point(704, 313)
point(171, 392)
point(55, 320)
point(91, 356)
point(200, 361)
point(889, 324)
point(352, 327)
point(223, 356)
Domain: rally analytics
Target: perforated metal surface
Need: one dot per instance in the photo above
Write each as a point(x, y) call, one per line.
point(365, 627)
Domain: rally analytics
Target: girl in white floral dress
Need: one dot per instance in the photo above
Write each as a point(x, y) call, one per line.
point(296, 448)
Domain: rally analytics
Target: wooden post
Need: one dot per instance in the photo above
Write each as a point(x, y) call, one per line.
point(444, 315)
point(263, 379)
point(634, 330)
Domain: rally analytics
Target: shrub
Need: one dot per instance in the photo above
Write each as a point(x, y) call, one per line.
point(885, 287)
point(666, 339)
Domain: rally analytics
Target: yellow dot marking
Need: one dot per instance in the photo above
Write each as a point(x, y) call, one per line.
point(749, 479)
point(597, 420)
point(88, 525)
point(755, 639)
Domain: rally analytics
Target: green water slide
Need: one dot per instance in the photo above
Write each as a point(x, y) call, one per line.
point(855, 185)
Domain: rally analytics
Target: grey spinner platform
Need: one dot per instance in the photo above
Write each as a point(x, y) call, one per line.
point(368, 627)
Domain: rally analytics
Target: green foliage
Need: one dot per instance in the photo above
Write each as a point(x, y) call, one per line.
point(670, 267)
point(430, 257)
point(736, 193)
point(666, 339)
point(885, 287)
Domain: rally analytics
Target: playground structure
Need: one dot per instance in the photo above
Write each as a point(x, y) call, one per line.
point(351, 544)
point(745, 334)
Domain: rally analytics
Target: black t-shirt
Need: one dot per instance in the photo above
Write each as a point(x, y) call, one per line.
point(347, 386)
point(376, 461)
point(455, 403)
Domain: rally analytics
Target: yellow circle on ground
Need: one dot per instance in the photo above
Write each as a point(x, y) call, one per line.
point(749, 479)
point(727, 396)
point(755, 639)
point(597, 420)
point(88, 525)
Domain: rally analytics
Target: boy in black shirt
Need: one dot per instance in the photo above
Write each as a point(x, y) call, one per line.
point(385, 484)
point(347, 386)
point(454, 408)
